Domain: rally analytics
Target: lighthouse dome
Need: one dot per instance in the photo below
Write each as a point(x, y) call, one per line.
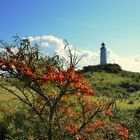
point(103, 46)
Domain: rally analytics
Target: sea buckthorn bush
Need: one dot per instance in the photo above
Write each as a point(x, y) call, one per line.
point(57, 95)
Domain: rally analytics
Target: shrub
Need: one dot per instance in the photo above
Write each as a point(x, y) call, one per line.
point(110, 68)
point(130, 86)
point(130, 102)
point(22, 124)
point(3, 131)
point(131, 89)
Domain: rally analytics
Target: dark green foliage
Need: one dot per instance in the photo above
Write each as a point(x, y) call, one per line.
point(131, 89)
point(3, 131)
point(137, 113)
point(130, 86)
point(22, 125)
point(137, 80)
point(110, 68)
point(130, 102)
point(133, 75)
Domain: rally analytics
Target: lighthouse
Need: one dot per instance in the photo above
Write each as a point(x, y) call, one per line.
point(103, 59)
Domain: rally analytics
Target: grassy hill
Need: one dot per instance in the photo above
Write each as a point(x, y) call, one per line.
point(111, 81)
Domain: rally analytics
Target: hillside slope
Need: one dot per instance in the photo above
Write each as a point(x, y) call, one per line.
point(111, 81)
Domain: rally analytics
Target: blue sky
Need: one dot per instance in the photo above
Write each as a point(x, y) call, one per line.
point(83, 23)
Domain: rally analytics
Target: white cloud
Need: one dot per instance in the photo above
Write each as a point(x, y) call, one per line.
point(127, 63)
point(44, 44)
point(14, 50)
point(2, 49)
point(50, 44)
point(53, 45)
point(137, 58)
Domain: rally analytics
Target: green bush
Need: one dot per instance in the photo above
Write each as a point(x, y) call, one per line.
point(130, 102)
point(130, 86)
point(22, 125)
point(110, 68)
point(3, 131)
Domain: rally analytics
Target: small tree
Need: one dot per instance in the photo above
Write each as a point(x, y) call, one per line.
point(59, 97)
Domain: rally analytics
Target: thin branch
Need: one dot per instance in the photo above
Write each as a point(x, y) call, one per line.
point(43, 107)
point(38, 90)
point(91, 117)
point(21, 99)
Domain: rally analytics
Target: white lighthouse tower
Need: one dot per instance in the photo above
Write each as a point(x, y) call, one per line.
point(103, 59)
